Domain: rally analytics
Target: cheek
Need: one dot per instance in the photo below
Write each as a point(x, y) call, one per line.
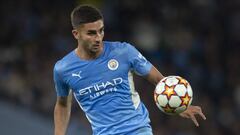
point(87, 39)
point(83, 38)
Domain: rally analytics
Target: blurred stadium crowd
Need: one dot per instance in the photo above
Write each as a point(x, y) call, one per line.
point(196, 39)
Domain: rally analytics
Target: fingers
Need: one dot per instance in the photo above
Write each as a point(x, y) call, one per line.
point(191, 112)
point(184, 115)
point(194, 120)
point(199, 112)
point(202, 115)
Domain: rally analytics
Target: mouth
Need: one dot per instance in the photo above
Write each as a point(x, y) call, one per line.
point(96, 46)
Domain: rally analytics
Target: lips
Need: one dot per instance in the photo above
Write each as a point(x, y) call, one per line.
point(96, 47)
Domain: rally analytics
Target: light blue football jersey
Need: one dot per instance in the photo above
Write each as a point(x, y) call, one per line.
point(104, 88)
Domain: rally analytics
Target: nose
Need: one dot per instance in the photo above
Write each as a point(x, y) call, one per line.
point(98, 37)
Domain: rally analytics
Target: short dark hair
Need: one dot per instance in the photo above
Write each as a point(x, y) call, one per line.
point(85, 14)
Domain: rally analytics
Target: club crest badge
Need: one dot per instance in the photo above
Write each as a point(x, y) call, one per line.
point(113, 64)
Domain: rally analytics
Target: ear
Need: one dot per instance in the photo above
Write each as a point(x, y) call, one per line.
point(75, 34)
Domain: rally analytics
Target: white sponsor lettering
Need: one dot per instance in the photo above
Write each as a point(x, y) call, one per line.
point(101, 86)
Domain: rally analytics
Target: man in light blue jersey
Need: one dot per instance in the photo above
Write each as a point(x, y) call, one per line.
point(100, 76)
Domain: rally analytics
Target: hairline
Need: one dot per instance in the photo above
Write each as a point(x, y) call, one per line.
point(81, 24)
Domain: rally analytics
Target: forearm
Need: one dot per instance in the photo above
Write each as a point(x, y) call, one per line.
point(61, 119)
point(154, 76)
point(62, 112)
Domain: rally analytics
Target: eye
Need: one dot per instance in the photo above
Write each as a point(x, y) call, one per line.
point(91, 33)
point(102, 30)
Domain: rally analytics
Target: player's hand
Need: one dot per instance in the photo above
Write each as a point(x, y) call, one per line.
point(191, 112)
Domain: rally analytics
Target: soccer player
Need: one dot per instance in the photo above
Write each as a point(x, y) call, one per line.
point(100, 76)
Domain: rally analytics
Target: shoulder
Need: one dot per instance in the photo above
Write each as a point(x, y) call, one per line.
point(118, 45)
point(61, 64)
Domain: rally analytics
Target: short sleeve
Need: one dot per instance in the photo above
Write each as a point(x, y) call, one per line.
point(138, 62)
point(60, 86)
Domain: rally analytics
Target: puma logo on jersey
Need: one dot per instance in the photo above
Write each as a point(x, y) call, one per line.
point(77, 74)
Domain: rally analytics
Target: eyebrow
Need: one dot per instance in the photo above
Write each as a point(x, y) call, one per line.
point(91, 31)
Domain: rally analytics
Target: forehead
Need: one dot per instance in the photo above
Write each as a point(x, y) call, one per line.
point(93, 26)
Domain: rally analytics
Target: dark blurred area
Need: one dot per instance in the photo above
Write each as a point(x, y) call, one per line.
point(196, 39)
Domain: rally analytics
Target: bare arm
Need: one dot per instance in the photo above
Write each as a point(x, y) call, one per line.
point(62, 113)
point(154, 76)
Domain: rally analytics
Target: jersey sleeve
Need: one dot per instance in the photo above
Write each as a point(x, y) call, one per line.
point(138, 62)
point(61, 87)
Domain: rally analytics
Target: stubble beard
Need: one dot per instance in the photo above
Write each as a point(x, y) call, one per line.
point(95, 50)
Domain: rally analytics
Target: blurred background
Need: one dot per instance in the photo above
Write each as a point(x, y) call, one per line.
point(196, 39)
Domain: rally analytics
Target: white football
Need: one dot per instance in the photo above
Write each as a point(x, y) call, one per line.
point(173, 94)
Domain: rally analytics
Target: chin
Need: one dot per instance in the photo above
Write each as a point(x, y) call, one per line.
point(94, 51)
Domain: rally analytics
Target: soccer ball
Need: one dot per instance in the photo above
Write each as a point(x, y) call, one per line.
point(173, 94)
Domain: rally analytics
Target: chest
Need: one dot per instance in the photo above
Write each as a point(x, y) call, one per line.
point(96, 76)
